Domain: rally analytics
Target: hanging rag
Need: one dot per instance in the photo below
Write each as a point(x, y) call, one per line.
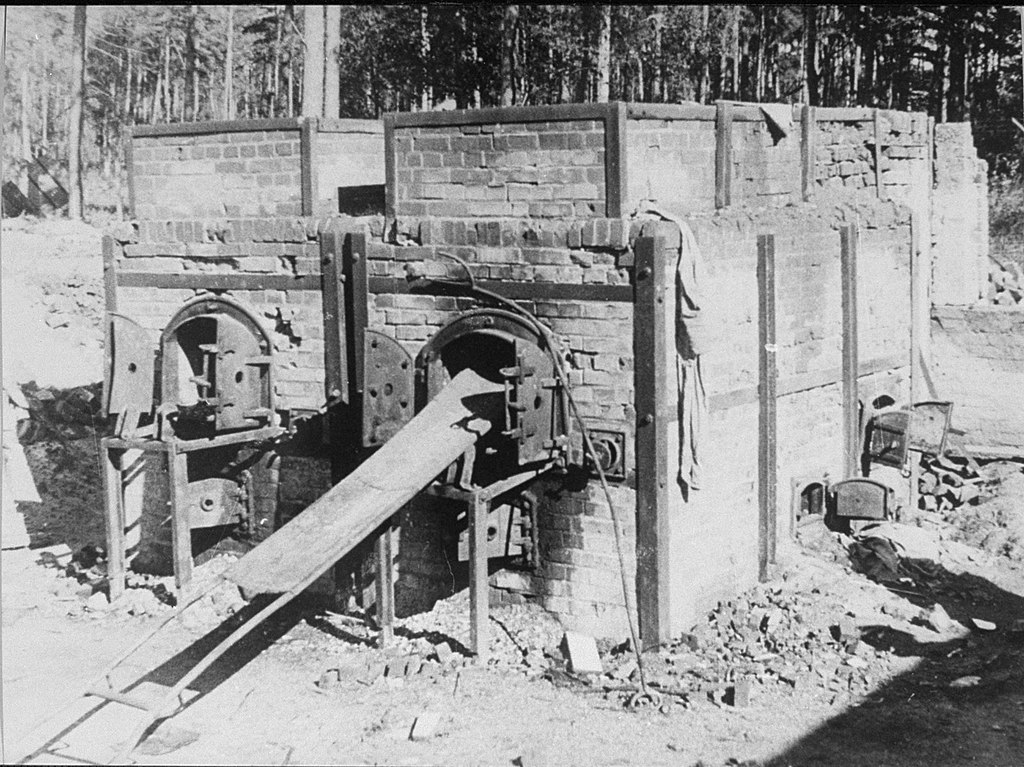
point(690, 341)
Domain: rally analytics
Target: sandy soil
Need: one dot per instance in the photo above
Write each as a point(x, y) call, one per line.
point(310, 685)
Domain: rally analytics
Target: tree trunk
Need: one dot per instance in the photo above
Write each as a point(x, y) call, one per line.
point(425, 75)
point(229, 68)
point(167, 80)
point(26, 136)
point(76, 205)
point(604, 54)
point(759, 56)
point(736, 52)
point(246, 101)
point(509, 22)
point(810, 66)
point(275, 77)
point(704, 84)
point(313, 62)
point(332, 78)
point(658, 74)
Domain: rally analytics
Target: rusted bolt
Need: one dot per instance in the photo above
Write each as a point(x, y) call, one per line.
point(647, 420)
point(643, 273)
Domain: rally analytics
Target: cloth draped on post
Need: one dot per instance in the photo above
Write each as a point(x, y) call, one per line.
point(690, 339)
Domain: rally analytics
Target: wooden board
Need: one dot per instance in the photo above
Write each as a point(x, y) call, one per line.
point(358, 505)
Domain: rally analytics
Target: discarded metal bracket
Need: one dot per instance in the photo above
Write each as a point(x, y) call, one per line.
point(128, 388)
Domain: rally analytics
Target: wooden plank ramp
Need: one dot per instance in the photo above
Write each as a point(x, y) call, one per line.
point(354, 508)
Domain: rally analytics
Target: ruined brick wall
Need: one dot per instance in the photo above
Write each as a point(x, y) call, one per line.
point(251, 168)
point(714, 534)
point(977, 358)
point(239, 174)
point(515, 169)
point(960, 218)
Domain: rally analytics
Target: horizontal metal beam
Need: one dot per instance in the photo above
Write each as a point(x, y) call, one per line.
point(528, 291)
point(216, 126)
point(547, 113)
point(218, 281)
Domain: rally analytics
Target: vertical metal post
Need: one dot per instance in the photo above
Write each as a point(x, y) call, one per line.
point(478, 589)
point(114, 518)
point(177, 485)
point(723, 154)
point(333, 295)
point(390, 175)
point(767, 448)
point(385, 586)
point(808, 129)
point(651, 346)
point(851, 413)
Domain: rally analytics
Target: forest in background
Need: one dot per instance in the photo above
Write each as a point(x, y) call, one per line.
point(162, 64)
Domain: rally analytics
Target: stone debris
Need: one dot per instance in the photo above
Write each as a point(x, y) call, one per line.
point(1005, 284)
point(965, 682)
point(983, 625)
point(581, 652)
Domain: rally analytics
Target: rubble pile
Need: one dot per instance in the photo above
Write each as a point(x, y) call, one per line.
point(1006, 284)
point(996, 522)
point(948, 482)
point(61, 414)
point(773, 638)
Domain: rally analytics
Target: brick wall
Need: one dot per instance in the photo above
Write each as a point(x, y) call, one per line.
point(977, 358)
point(714, 530)
point(514, 170)
point(237, 174)
point(250, 168)
point(283, 250)
point(578, 578)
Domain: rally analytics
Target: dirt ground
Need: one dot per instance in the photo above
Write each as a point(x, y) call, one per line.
point(841, 669)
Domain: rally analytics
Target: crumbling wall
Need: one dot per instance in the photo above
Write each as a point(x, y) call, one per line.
point(977, 358)
point(959, 218)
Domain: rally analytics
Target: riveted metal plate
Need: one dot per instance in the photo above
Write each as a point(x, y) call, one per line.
point(388, 388)
point(128, 388)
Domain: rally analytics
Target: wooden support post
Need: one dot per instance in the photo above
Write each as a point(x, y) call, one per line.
point(177, 485)
point(880, 185)
point(615, 155)
point(767, 458)
point(723, 154)
point(808, 129)
point(114, 517)
point(308, 164)
point(129, 164)
point(478, 589)
point(385, 586)
point(652, 340)
point(390, 176)
point(851, 414)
